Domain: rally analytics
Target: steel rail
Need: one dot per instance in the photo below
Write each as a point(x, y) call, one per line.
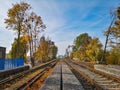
point(93, 82)
point(100, 72)
point(31, 81)
point(23, 74)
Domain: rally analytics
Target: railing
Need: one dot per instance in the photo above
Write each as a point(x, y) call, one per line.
point(10, 63)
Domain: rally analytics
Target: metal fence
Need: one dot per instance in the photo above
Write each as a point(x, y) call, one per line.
point(10, 63)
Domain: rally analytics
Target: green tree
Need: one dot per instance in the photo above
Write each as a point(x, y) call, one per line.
point(82, 40)
point(23, 49)
point(53, 52)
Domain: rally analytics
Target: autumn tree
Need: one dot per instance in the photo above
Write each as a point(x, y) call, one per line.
point(111, 56)
point(15, 21)
point(34, 26)
point(43, 49)
point(114, 40)
point(93, 49)
point(25, 23)
point(87, 48)
point(80, 44)
point(47, 50)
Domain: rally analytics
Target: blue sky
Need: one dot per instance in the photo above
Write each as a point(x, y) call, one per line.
point(65, 19)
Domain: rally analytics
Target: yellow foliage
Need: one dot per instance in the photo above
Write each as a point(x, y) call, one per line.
point(27, 38)
point(43, 50)
point(89, 52)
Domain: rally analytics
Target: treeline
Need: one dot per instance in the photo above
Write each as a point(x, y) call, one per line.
point(91, 49)
point(28, 26)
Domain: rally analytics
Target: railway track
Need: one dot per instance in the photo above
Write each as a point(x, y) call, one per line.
point(86, 85)
point(98, 72)
point(31, 81)
point(7, 82)
point(98, 80)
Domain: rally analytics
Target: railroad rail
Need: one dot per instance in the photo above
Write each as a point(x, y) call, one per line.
point(98, 80)
point(6, 73)
point(24, 86)
point(14, 78)
point(98, 72)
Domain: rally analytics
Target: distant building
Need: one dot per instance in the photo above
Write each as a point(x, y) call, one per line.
point(2, 52)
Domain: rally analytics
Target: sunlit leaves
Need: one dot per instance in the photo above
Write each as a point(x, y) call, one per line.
point(89, 48)
point(114, 36)
point(15, 21)
point(114, 40)
point(93, 49)
point(46, 50)
point(16, 15)
point(43, 49)
point(27, 25)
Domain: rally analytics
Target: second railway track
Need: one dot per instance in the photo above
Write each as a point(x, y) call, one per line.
point(98, 80)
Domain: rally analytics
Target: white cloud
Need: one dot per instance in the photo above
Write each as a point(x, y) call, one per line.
point(55, 15)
